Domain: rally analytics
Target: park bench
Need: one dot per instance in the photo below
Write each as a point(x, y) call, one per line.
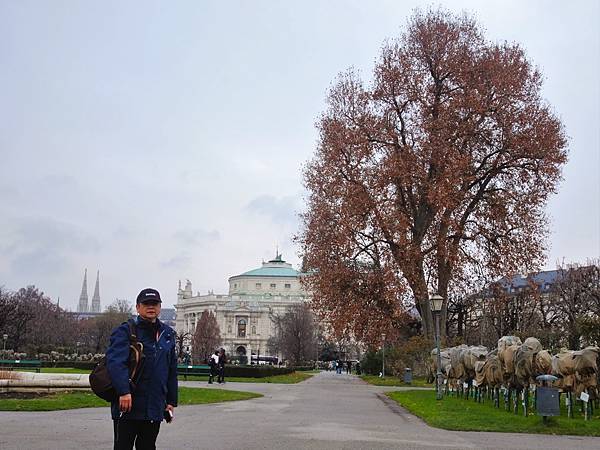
point(12, 364)
point(185, 370)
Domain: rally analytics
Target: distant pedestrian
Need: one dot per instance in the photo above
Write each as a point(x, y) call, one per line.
point(213, 363)
point(221, 366)
point(348, 367)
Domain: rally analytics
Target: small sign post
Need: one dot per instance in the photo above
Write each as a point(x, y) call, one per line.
point(585, 397)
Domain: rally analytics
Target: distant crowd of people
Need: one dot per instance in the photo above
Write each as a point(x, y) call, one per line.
point(344, 366)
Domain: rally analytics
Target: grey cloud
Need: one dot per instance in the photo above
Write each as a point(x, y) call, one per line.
point(180, 261)
point(196, 236)
point(39, 262)
point(124, 233)
point(43, 246)
point(9, 192)
point(45, 233)
point(60, 181)
point(282, 210)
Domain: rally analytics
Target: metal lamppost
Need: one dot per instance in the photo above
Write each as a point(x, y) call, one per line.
point(383, 356)
point(258, 356)
point(5, 337)
point(436, 307)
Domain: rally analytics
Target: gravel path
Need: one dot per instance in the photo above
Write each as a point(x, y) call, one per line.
point(328, 411)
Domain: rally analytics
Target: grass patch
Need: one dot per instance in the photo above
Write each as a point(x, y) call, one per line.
point(394, 381)
point(52, 402)
point(289, 378)
point(196, 396)
point(64, 370)
point(86, 399)
point(466, 415)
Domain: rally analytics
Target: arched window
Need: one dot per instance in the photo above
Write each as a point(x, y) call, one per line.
point(242, 328)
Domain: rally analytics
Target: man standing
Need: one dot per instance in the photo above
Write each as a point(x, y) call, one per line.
point(137, 413)
point(213, 363)
point(222, 361)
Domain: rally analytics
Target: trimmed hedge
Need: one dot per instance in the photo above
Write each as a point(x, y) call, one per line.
point(304, 368)
point(83, 365)
point(230, 370)
point(256, 372)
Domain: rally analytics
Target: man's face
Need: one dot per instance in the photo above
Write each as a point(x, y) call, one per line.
point(148, 310)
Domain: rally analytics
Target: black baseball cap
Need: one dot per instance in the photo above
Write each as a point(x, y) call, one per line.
point(148, 295)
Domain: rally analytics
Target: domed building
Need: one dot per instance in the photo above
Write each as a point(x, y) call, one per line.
point(244, 314)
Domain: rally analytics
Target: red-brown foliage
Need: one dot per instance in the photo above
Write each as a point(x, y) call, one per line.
point(442, 166)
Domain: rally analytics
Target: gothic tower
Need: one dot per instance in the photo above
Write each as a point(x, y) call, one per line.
point(83, 298)
point(96, 297)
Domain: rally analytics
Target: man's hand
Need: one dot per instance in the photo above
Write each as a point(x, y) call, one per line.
point(170, 409)
point(125, 403)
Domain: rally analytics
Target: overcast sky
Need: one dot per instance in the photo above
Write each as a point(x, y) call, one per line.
point(158, 141)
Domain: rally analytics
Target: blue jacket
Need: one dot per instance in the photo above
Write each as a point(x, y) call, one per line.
point(157, 384)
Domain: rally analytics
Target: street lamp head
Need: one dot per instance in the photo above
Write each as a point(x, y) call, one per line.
point(383, 337)
point(5, 336)
point(436, 302)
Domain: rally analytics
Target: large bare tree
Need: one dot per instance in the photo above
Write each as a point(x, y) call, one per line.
point(576, 302)
point(34, 323)
point(94, 333)
point(439, 169)
point(207, 336)
point(295, 334)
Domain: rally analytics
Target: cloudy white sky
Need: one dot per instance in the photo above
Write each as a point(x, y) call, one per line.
point(158, 141)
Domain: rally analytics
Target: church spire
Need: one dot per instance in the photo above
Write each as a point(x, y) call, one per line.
point(83, 298)
point(96, 297)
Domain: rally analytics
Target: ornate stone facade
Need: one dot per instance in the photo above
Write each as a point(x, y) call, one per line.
point(244, 313)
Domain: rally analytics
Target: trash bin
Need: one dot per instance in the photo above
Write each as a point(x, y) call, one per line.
point(547, 400)
point(408, 375)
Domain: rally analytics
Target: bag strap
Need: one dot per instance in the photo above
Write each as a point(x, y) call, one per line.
point(138, 349)
point(132, 332)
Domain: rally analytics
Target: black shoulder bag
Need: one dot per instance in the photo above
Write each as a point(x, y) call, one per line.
point(100, 381)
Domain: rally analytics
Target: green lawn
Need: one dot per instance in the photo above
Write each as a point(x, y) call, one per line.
point(63, 370)
point(466, 415)
point(290, 378)
point(295, 377)
point(394, 381)
point(85, 399)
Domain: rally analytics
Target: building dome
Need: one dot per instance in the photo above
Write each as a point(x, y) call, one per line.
point(274, 268)
point(274, 276)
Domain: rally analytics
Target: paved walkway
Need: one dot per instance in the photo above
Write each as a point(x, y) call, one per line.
point(328, 411)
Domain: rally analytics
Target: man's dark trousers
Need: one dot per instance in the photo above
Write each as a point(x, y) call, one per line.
point(142, 432)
